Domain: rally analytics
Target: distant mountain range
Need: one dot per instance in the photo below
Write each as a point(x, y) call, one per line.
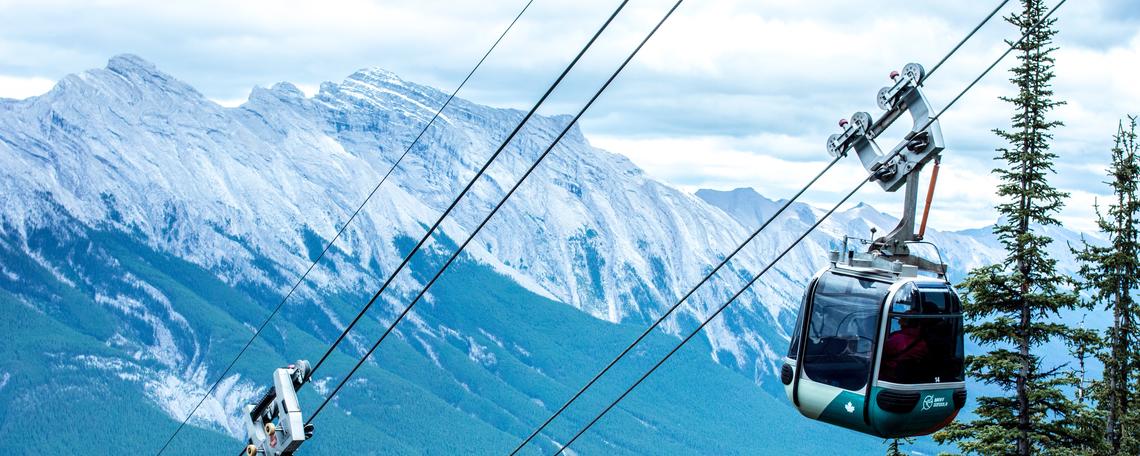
point(145, 231)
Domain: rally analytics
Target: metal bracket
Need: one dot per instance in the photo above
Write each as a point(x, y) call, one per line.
point(902, 165)
point(275, 424)
point(918, 147)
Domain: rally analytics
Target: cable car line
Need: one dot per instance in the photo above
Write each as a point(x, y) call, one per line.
point(724, 261)
point(710, 318)
point(470, 184)
point(341, 231)
point(285, 406)
point(804, 235)
point(963, 41)
point(495, 210)
point(669, 311)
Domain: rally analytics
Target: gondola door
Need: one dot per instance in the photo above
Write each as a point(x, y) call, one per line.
point(919, 371)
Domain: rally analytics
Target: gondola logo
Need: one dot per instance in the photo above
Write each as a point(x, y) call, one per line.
point(930, 402)
point(849, 407)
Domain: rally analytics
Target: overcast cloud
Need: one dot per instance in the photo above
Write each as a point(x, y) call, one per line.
point(730, 93)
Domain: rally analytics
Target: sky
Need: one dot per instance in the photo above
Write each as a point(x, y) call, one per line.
point(730, 93)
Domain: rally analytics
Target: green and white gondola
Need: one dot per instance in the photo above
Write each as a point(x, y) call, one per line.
point(878, 350)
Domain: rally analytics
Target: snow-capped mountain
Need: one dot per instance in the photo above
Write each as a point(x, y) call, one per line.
point(133, 147)
point(251, 194)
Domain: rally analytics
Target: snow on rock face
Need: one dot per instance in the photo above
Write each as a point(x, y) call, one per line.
point(131, 148)
point(178, 395)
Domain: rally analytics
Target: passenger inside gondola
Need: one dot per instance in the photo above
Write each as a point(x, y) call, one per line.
point(923, 342)
point(905, 354)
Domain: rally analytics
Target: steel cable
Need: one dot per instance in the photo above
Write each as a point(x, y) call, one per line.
point(483, 169)
point(340, 232)
point(495, 210)
point(723, 262)
point(804, 235)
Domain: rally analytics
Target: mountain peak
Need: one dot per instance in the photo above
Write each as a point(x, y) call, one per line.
point(744, 204)
point(741, 190)
point(144, 76)
point(377, 75)
point(127, 64)
point(747, 195)
point(287, 89)
point(379, 86)
point(746, 191)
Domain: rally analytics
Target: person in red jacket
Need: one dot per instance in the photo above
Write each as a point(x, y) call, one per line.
point(905, 353)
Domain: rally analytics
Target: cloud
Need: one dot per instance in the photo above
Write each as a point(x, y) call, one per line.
point(730, 93)
point(21, 87)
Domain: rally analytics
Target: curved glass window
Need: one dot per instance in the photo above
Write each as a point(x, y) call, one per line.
point(841, 333)
point(924, 337)
point(794, 346)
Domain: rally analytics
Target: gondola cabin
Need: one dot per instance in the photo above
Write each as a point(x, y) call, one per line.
point(877, 348)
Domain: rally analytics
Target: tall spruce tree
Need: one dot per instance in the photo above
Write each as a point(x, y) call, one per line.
point(1013, 307)
point(1109, 274)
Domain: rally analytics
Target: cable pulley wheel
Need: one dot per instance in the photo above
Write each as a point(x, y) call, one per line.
point(862, 120)
point(914, 71)
point(883, 99)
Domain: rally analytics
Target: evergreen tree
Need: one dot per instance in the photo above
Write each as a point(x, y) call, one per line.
point(894, 448)
point(1013, 307)
point(1109, 274)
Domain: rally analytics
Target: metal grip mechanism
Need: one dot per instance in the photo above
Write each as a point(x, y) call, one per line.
point(275, 424)
point(903, 163)
point(920, 145)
